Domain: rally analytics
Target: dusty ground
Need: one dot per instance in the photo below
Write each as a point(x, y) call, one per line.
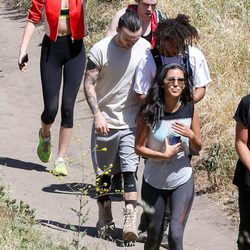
point(54, 199)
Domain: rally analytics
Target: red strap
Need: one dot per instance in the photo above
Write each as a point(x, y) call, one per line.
point(154, 24)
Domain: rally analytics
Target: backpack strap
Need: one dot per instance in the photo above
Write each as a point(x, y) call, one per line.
point(157, 58)
point(187, 66)
point(160, 16)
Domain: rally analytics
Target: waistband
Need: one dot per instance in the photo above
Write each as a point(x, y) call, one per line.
point(63, 38)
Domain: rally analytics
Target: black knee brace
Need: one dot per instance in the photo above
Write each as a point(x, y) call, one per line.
point(129, 182)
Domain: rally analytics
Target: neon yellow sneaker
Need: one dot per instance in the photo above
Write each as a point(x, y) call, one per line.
point(44, 151)
point(60, 169)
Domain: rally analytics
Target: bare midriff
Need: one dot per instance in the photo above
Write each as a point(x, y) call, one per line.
point(64, 25)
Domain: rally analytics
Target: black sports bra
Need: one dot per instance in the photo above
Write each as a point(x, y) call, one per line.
point(148, 37)
point(64, 12)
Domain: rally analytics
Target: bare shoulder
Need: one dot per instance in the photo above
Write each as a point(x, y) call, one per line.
point(114, 22)
point(119, 13)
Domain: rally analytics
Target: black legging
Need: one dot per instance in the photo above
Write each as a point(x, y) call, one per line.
point(244, 228)
point(67, 57)
point(181, 200)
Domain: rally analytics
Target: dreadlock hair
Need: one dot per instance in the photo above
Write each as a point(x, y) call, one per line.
point(153, 108)
point(178, 30)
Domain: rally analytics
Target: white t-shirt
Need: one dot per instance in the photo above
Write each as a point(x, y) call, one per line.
point(146, 70)
point(114, 86)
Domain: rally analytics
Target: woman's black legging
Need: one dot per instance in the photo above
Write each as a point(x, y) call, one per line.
point(244, 228)
point(181, 200)
point(64, 58)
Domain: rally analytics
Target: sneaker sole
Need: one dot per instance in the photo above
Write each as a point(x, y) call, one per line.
point(58, 174)
point(142, 237)
point(130, 236)
point(164, 245)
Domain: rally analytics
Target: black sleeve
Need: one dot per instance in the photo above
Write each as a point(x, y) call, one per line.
point(242, 114)
point(90, 65)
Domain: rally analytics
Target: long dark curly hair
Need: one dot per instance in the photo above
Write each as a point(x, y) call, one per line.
point(153, 108)
point(179, 30)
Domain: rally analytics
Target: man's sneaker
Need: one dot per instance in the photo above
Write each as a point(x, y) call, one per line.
point(129, 224)
point(105, 225)
point(44, 148)
point(60, 168)
point(164, 241)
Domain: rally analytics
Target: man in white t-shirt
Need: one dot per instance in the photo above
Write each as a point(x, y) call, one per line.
point(174, 38)
point(109, 92)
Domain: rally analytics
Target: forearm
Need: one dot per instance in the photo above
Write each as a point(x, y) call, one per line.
point(149, 153)
point(91, 98)
point(194, 134)
point(241, 140)
point(140, 98)
point(243, 152)
point(28, 32)
point(198, 94)
point(142, 134)
point(141, 138)
point(90, 78)
point(195, 143)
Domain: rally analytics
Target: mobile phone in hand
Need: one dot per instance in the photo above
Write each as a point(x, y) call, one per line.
point(175, 139)
point(25, 59)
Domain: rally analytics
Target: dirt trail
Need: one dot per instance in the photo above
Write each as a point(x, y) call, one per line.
point(29, 180)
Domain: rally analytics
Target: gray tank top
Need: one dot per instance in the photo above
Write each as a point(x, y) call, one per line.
point(171, 173)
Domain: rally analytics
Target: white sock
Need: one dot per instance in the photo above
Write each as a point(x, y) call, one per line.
point(60, 159)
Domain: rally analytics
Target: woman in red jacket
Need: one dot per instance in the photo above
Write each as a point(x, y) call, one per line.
point(62, 54)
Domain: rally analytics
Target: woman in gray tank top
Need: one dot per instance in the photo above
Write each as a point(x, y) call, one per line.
point(167, 127)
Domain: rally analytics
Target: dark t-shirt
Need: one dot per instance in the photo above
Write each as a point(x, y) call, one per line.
point(242, 115)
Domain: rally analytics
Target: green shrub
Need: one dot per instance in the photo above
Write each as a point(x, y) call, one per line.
point(17, 227)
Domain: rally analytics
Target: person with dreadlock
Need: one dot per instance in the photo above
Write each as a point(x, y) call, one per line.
point(167, 128)
point(174, 38)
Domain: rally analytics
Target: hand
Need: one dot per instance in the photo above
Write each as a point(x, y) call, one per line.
point(183, 130)
point(22, 61)
point(101, 126)
point(171, 150)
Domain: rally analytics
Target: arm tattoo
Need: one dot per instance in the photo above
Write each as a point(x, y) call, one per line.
point(91, 75)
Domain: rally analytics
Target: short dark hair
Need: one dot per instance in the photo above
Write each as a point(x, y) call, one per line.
point(130, 20)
